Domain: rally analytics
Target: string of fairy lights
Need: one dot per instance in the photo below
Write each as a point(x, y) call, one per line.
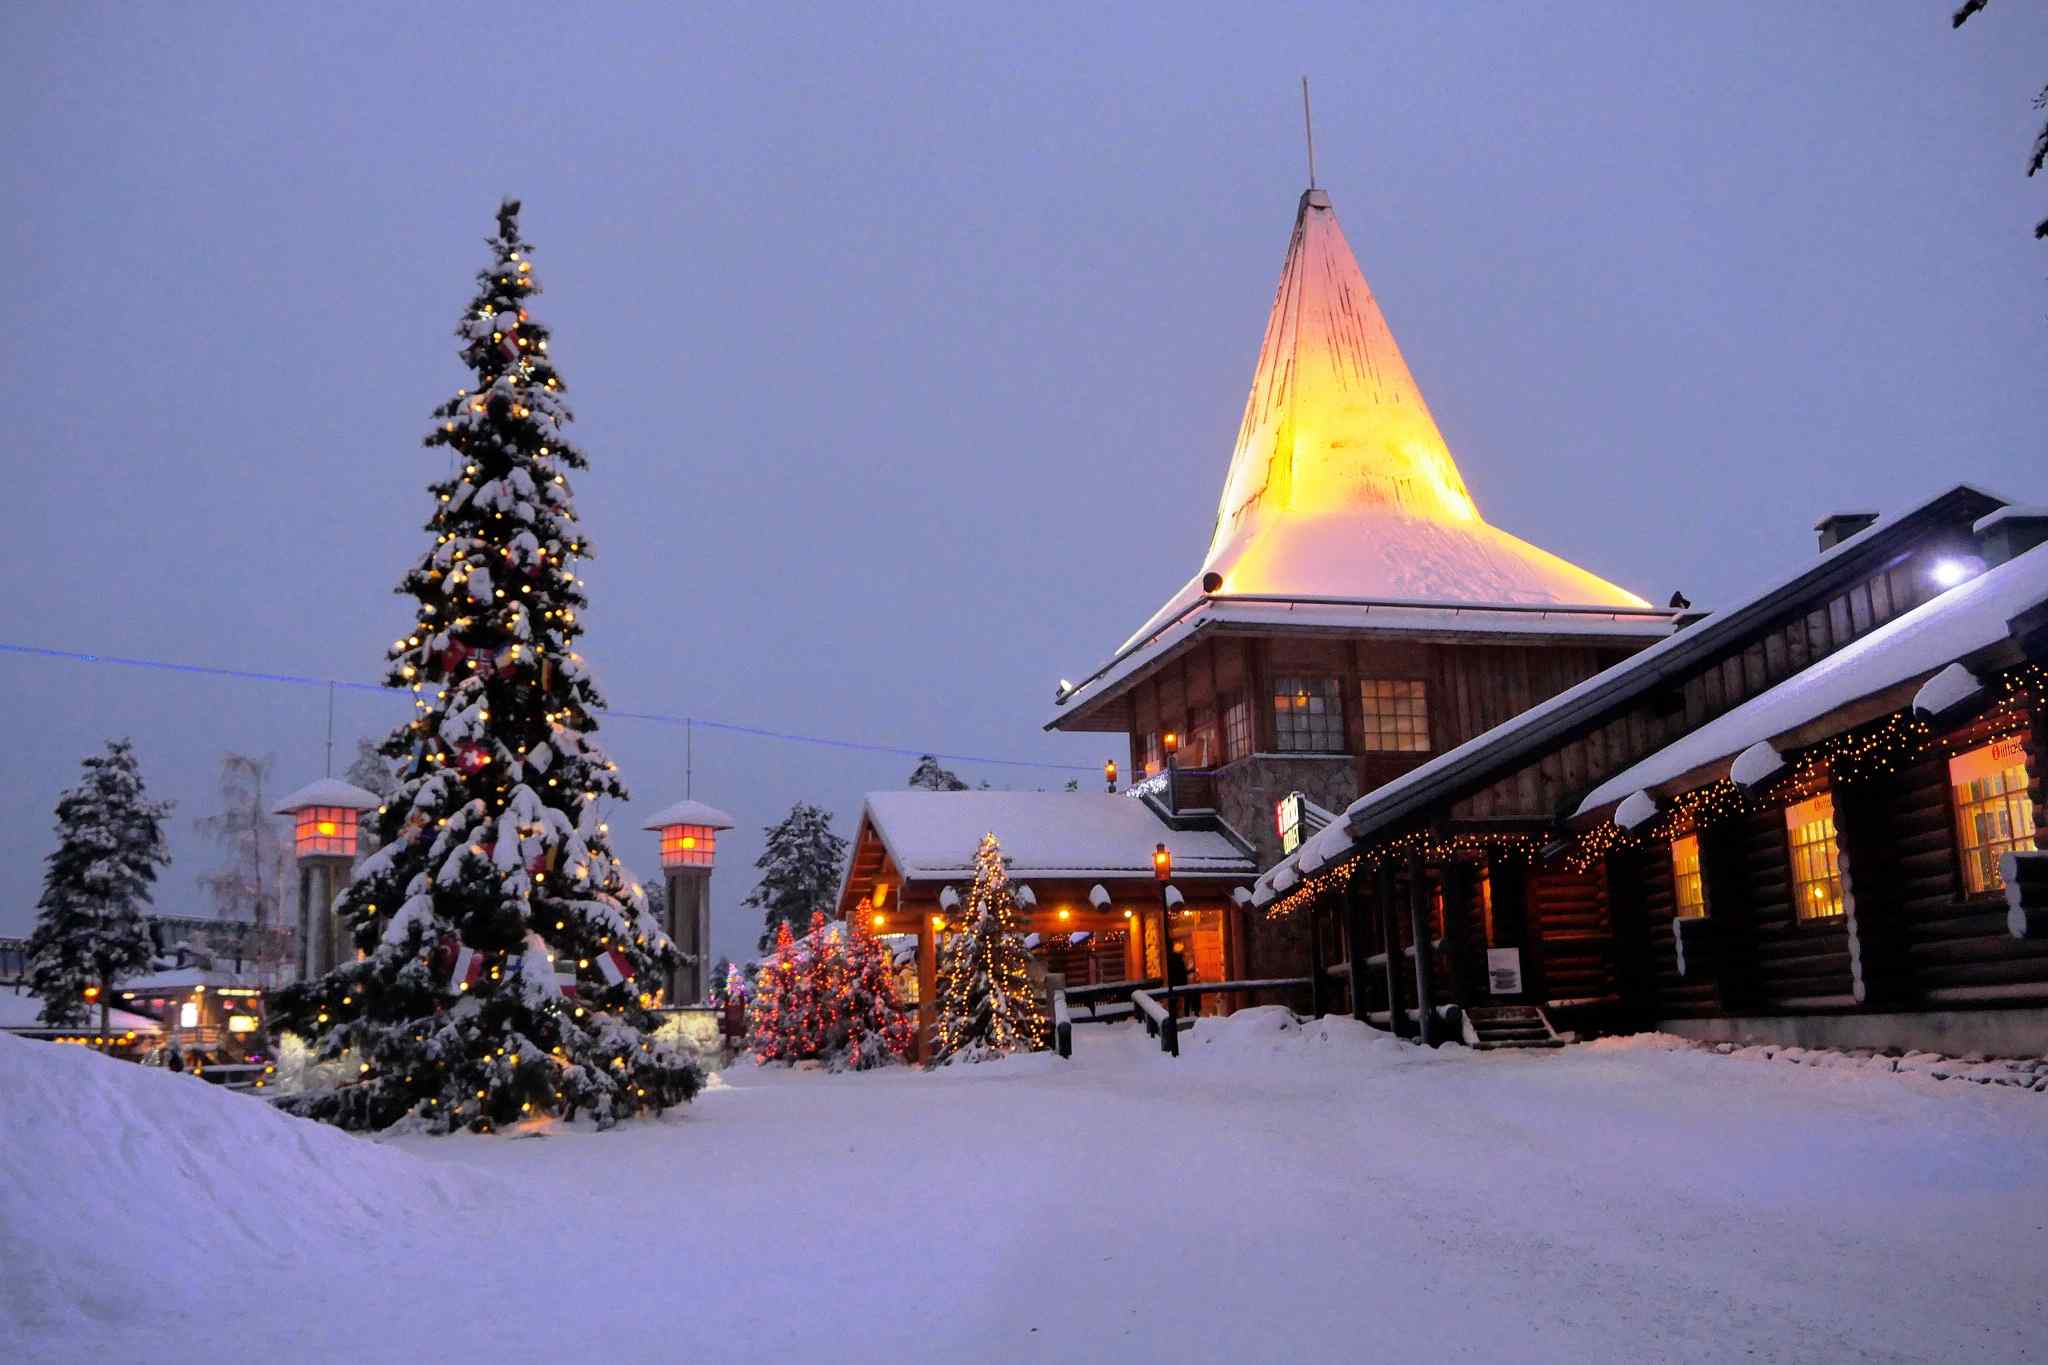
point(1882, 748)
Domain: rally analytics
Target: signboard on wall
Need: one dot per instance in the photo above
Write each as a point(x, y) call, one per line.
point(1287, 817)
point(1504, 971)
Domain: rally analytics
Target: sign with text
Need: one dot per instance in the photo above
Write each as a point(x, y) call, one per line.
point(1504, 971)
point(1287, 817)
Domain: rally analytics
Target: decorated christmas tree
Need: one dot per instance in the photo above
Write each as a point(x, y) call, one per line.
point(875, 1031)
point(773, 1020)
point(988, 1006)
point(89, 928)
point(503, 951)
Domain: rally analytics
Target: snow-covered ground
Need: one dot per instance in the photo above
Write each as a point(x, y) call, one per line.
point(1279, 1193)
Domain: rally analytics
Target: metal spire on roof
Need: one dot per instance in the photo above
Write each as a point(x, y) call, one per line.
point(1308, 126)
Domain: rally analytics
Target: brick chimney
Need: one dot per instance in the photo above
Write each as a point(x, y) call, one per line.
point(1839, 526)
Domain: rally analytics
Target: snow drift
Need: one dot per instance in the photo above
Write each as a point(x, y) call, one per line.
point(134, 1195)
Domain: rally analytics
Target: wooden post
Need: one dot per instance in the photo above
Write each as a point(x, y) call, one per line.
point(1458, 889)
point(1418, 925)
point(1390, 943)
point(1355, 892)
point(927, 985)
point(1317, 1005)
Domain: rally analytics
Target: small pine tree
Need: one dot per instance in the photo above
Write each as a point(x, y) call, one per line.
point(496, 878)
point(773, 1021)
point(929, 776)
point(987, 1005)
point(876, 1031)
point(90, 931)
point(799, 870)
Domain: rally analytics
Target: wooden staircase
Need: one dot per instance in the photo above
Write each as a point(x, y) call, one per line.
point(1488, 1028)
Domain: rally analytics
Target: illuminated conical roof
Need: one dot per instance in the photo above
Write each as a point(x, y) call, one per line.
point(1340, 484)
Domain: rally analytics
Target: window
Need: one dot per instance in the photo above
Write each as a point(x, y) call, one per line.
point(1396, 715)
point(1308, 716)
point(1688, 887)
point(1994, 815)
point(1816, 880)
point(1486, 907)
point(1154, 760)
point(1237, 729)
point(1198, 750)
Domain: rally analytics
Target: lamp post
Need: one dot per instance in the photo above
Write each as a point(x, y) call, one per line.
point(326, 819)
point(1109, 774)
point(1162, 870)
point(1171, 741)
point(689, 847)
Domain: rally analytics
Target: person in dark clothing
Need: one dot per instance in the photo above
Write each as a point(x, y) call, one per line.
point(1178, 975)
point(176, 1061)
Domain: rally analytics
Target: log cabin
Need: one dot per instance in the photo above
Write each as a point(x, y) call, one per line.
point(1081, 866)
point(1354, 614)
point(1813, 819)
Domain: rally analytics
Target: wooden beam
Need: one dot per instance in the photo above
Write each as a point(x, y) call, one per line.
point(1390, 948)
point(927, 986)
point(1418, 926)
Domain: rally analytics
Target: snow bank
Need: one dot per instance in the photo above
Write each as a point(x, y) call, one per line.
point(1270, 1035)
point(137, 1196)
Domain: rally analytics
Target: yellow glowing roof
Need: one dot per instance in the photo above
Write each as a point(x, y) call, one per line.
point(1340, 484)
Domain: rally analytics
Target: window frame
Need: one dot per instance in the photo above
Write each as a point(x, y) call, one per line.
point(1829, 844)
point(1234, 715)
point(1680, 878)
point(1388, 692)
point(2019, 808)
point(1311, 687)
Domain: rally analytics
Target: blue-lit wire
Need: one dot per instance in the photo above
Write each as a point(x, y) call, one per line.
point(657, 717)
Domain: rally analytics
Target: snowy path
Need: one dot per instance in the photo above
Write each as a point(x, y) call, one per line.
point(1295, 1195)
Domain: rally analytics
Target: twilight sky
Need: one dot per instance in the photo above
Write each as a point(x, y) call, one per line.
point(908, 346)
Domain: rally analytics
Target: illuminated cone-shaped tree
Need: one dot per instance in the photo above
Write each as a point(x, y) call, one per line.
point(503, 951)
point(876, 1030)
point(89, 928)
point(987, 1004)
point(771, 1022)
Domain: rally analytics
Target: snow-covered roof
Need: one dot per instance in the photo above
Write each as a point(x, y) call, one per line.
point(329, 791)
point(1341, 485)
point(21, 1011)
point(934, 835)
point(1917, 645)
point(689, 813)
point(1527, 732)
point(182, 979)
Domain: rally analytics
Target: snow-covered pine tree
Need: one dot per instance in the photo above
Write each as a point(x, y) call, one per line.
point(988, 1006)
point(90, 931)
point(929, 776)
point(876, 1030)
point(496, 872)
point(799, 870)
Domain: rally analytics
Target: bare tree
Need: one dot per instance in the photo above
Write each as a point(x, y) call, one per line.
point(255, 868)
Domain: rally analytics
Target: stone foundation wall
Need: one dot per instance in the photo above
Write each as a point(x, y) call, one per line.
point(1993, 1033)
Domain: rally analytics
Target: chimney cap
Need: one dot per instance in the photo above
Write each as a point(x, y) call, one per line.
point(1837, 527)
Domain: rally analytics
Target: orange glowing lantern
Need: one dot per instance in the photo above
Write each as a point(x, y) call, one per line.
point(689, 834)
point(325, 817)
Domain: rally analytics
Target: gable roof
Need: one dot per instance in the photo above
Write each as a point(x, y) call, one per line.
point(1970, 617)
point(1472, 765)
point(1340, 486)
point(933, 835)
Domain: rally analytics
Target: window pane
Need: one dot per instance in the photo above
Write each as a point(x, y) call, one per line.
point(1396, 715)
point(1994, 813)
point(1816, 878)
point(1687, 883)
point(1307, 715)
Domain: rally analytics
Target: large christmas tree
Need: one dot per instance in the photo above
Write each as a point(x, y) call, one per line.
point(502, 948)
point(89, 930)
point(988, 1006)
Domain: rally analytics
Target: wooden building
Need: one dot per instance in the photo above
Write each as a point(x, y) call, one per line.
point(1081, 866)
point(1354, 613)
point(1811, 818)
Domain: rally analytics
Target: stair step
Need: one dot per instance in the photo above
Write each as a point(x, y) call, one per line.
point(1485, 1046)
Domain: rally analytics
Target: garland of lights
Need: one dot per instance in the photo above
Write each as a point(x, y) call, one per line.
point(1417, 843)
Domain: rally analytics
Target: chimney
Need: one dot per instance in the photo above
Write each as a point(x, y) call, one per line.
point(2010, 532)
point(1839, 526)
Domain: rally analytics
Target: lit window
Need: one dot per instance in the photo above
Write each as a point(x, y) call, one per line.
point(1686, 881)
point(1816, 880)
point(1155, 760)
point(1237, 729)
point(1486, 907)
point(329, 830)
point(1994, 814)
point(1308, 716)
point(1396, 715)
point(188, 1015)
